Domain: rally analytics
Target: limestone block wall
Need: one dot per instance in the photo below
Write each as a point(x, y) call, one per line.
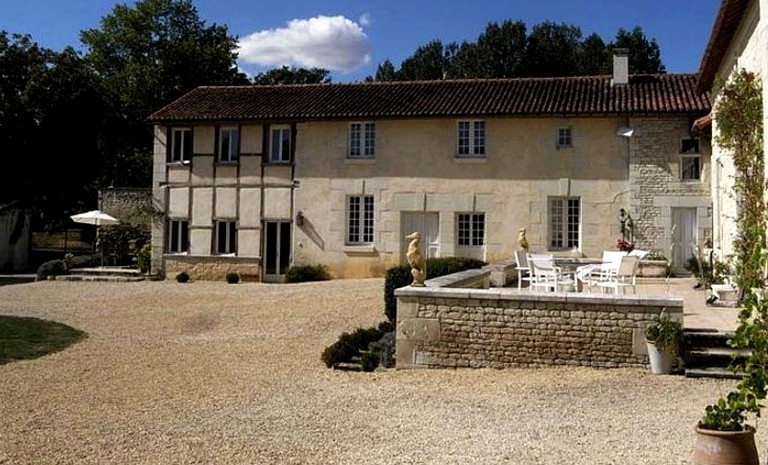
point(212, 268)
point(499, 328)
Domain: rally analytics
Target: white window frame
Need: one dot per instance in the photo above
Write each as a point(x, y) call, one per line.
point(564, 137)
point(470, 139)
point(564, 223)
point(229, 228)
point(470, 229)
point(689, 158)
point(280, 153)
point(178, 236)
point(359, 219)
point(229, 144)
point(362, 140)
point(184, 152)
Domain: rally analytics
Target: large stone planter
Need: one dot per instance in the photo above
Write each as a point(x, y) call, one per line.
point(652, 268)
point(725, 447)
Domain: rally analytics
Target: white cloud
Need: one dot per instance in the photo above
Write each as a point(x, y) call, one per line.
point(335, 43)
point(365, 20)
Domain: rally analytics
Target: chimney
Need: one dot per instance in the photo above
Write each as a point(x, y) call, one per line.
point(620, 66)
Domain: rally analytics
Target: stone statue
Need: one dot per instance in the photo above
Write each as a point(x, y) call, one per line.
point(627, 226)
point(521, 239)
point(416, 260)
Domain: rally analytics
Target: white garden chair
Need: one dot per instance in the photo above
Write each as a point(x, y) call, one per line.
point(545, 275)
point(591, 275)
point(522, 267)
point(623, 277)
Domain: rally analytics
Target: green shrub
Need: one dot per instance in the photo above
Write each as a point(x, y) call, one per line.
point(385, 348)
point(144, 257)
point(400, 276)
point(386, 327)
point(116, 240)
point(369, 361)
point(182, 277)
point(233, 278)
point(306, 273)
point(339, 352)
point(51, 268)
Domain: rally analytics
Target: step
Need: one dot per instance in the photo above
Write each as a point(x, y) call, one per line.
point(718, 352)
point(711, 372)
point(103, 278)
point(105, 271)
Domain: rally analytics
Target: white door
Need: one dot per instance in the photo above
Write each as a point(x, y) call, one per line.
point(684, 237)
point(428, 225)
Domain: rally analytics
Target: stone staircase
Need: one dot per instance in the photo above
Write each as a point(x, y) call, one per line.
point(113, 274)
point(707, 354)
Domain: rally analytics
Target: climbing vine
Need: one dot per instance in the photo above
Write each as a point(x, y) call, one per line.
point(739, 117)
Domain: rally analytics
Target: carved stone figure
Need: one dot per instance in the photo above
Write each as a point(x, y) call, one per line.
point(415, 259)
point(521, 239)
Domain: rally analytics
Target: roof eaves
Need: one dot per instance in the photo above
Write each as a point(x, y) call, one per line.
point(727, 20)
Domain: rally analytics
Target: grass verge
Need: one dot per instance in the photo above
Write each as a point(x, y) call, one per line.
point(24, 338)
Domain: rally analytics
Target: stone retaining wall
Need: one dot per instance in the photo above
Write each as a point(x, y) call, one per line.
point(447, 327)
point(205, 268)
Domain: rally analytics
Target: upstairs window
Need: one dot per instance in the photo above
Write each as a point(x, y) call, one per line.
point(471, 139)
point(229, 144)
point(280, 148)
point(181, 145)
point(690, 160)
point(362, 140)
point(564, 137)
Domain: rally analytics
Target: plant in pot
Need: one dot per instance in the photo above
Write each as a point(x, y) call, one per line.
point(663, 338)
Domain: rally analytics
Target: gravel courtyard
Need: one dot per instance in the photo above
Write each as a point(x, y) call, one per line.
point(211, 373)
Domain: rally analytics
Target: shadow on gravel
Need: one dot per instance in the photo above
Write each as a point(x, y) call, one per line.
point(25, 338)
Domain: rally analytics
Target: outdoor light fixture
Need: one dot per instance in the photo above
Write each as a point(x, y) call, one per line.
point(625, 132)
point(300, 218)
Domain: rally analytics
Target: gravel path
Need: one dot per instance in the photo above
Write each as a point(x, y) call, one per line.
point(212, 373)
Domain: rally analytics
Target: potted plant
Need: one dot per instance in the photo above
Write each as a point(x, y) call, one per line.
point(663, 338)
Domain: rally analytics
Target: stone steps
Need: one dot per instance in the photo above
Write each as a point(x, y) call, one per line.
point(105, 274)
point(707, 354)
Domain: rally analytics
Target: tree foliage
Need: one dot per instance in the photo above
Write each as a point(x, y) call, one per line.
point(292, 75)
point(146, 56)
point(507, 50)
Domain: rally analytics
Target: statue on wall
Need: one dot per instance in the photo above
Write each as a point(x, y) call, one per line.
point(522, 241)
point(416, 260)
point(627, 226)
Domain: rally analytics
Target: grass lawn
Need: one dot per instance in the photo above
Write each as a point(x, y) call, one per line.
point(23, 338)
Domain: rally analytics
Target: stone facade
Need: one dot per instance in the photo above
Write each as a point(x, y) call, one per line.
point(131, 206)
point(499, 328)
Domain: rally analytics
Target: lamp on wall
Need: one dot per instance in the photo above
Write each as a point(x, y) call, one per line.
point(625, 132)
point(300, 218)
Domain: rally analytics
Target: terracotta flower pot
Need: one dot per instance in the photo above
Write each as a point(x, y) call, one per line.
point(725, 447)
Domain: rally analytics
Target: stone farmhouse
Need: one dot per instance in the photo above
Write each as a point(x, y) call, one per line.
point(256, 179)
point(739, 40)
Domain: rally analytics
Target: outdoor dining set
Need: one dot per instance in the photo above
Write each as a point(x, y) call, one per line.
point(543, 272)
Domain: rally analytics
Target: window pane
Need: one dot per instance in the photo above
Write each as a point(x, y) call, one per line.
point(354, 140)
point(691, 168)
point(184, 236)
point(368, 220)
point(174, 247)
point(286, 145)
point(353, 220)
point(479, 141)
point(463, 144)
point(275, 152)
point(370, 139)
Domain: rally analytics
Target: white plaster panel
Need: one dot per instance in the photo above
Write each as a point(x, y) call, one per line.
point(202, 170)
point(250, 170)
point(248, 241)
point(408, 201)
point(226, 202)
point(251, 139)
point(278, 175)
point(448, 202)
point(226, 175)
point(202, 206)
point(250, 207)
point(277, 203)
point(160, 155)
point(200, 241)
point(178, 173)
point(178, 202)
point(204, 139)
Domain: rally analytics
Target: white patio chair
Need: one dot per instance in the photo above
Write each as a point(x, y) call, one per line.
point(623, 277)
point(593, 274)
point(523, 270)
point(545, 275)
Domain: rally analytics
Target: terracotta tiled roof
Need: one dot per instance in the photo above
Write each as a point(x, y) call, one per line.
point(571, 96)
point(728, 19)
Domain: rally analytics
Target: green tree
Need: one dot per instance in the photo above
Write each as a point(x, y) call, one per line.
point(594, 56)
point(644, 54)
point(148, 55)
point(501, 50)
point(386, 71)
point(292, 75)
point(553, 50)
point(429, 62)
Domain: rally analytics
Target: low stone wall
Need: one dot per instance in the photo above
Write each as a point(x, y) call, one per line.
point(206, 268)
point(441, 327)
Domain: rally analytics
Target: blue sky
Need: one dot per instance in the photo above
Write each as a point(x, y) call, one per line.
point(351, 37)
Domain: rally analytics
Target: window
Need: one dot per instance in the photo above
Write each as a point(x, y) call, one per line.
point(178, 236)
point(471, 229)
point(564, 221)
point(471, 142)
point(280, 150)
point(362, 140)
point(564, 137)
point(181, 145)
point(690, 160)
point(359, 219)
point(226, 237)
point(229, 144)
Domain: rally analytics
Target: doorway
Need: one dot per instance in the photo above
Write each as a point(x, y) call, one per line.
point(428, 225)
point(684, 237)
point(277, 250)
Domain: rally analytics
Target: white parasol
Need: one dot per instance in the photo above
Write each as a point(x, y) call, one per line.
point(96, 218)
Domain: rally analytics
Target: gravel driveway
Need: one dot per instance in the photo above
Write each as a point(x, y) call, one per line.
point(211, 373)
